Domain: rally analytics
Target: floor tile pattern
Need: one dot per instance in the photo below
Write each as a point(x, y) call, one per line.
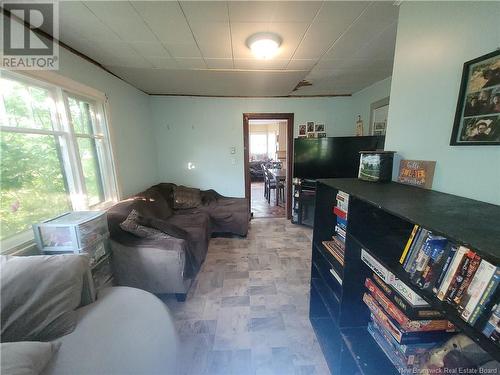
point(259, 205)
point(247, 312)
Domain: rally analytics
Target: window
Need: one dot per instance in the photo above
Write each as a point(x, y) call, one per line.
point(262, 145)
point(55, 155)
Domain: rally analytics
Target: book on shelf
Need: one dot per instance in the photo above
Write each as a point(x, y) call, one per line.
point(377, 267)
point(450, 273)
point(430, 272)
point(467, 274)
point(412, 312)
point(444, 270)
point(418, 241)
point(408, 243)
point(488, 293)
point(340, 232)
point(387, 343)
point(333, 249)
point(388, 277)
point(342, 201)
point(433, 245)
point(340, 213)
point(336, 275)
point(492, 327)
point(339, 242)
point(406, 350)
point(404, 322)
point(387, 348)
point(477, 287)
point(401, 336)
point(342, 223)
point(460, 275)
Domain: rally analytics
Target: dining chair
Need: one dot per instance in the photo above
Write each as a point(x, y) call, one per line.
point(270, 184)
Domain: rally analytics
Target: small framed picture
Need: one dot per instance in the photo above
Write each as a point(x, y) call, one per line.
point(477, 117)
point(310, 126)
point(302, 129)
point(311, 135)
point(320, 135)
point(319, 128)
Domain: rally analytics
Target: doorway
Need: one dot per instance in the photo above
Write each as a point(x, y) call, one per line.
point(268, 150)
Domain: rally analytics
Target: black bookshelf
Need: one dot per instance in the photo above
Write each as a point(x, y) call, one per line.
point(380, 220)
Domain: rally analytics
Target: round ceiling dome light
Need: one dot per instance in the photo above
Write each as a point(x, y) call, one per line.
point(264, 45)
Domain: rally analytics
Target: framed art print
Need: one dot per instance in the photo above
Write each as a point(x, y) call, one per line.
point(477, 118)
point(302, 129)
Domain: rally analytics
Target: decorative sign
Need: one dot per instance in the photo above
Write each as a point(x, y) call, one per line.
point(417, 173)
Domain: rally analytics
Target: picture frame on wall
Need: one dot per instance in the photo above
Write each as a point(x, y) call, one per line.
point(319, 128)
point(477, 117)
point(379, 111)
point(302, 129)
point(310, 127)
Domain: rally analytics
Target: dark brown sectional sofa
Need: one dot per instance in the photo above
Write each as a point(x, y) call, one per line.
point(169, 263)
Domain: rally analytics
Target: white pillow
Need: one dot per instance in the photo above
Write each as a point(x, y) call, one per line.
point(26, 357)
point(39, 295)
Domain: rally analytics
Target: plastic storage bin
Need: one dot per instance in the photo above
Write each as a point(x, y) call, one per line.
point(71, 232)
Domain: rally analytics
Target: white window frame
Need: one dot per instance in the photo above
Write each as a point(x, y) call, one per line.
point(60, 89)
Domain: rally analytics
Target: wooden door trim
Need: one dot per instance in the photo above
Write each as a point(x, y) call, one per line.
point(289, 152)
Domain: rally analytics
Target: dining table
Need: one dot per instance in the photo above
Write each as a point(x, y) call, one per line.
point(279, 175)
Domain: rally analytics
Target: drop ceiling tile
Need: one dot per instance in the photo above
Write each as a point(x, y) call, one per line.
point(354, 64)
point(77, 17)
point(87, 47)
point(333, 20)
point(159, 62)
point(301, 64)
point(317, 73)
point(295, 11)
point(187, 63)
point(381, 13)
point(123, 19)
point(255, 64)
point(335, 11)
point(203, 11)
point(183, 49)
point(290, 32)
point(132, 61)
point(251, 11)
point(381, 46)
point(219, 63)
point(374, 21)
point(150, 49)
point(213, 38)
point(166, 20)
point(211, 82)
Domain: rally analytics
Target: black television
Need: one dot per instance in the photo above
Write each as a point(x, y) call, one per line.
point(331, 157)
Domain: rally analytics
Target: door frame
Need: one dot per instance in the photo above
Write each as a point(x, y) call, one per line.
point(289, 153)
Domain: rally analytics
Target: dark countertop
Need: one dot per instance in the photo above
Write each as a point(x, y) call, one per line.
point(466, 221)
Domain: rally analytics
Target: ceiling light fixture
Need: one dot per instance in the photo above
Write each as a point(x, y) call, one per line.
point(264, 45)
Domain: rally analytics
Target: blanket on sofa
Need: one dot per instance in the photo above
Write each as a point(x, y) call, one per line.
point(192, 264)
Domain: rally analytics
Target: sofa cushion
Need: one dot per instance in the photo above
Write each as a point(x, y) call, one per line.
point(151, 203)
point(131, 224)
point(39, 295)
point(185, 197)
point(162, 226)
point(126, 331)
point(197, 225)
point(166, 189)
point(26, 357)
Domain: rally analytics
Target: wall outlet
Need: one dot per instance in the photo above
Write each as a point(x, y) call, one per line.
point(233, 150)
